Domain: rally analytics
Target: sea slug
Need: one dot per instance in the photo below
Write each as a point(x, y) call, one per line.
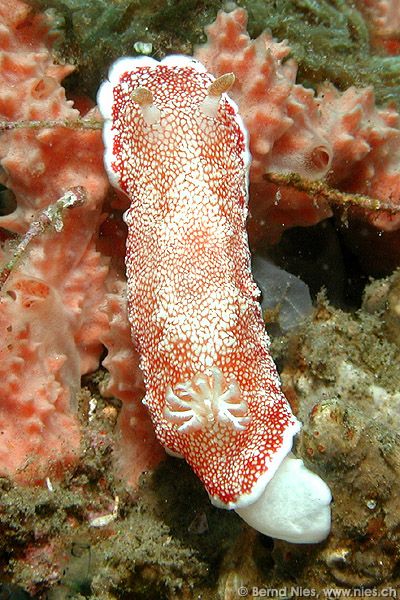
point(175, 144)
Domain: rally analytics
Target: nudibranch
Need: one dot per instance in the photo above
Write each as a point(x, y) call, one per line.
point(175, 144)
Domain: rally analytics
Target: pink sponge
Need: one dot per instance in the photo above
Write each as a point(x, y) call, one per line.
point(49, 318)
point(340, 137)
point(138, 449)
point(50, 327)
point(39, 165)
point(40, 375)
point(280, 116)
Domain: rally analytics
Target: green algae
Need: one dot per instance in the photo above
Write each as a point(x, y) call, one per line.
point(95, 33)
point(329, 38)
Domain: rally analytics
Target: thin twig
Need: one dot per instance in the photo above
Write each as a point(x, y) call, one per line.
point(320, 190)
point(50, 217)
point(50, 123)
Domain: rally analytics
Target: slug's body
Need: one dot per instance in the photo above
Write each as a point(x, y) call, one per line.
point(211, 386)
